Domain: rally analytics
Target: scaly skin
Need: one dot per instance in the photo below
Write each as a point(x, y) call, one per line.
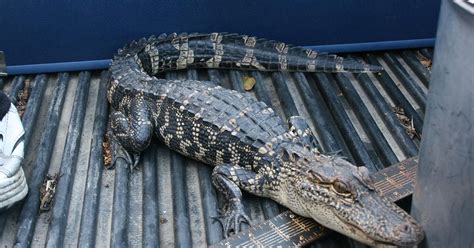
point(249, 145)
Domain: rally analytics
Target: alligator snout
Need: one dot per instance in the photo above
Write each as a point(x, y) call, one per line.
point(409, 233)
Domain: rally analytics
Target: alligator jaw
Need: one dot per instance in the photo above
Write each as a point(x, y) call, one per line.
point(360, 236)
point(375, 234)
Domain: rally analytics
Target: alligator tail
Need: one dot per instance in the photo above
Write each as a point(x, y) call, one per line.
point(234, 51)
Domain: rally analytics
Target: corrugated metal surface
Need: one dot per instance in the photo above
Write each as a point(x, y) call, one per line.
point(169, 200)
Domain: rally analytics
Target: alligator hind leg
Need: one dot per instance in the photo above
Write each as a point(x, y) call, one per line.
point(229, 179)
point(300, 128)
point(132, 133)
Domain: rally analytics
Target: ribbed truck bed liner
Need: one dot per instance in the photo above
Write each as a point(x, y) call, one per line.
point(169, 201)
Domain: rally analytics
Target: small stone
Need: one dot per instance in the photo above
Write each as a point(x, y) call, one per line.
point(249, 83)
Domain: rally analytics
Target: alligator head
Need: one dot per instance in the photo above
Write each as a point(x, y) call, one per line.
point(341, 197)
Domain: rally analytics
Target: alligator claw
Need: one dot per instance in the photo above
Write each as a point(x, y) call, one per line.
point(231, 218)
point(119, 152)
point(136, 159)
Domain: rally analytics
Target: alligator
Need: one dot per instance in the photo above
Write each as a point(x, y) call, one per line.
point(249, 145)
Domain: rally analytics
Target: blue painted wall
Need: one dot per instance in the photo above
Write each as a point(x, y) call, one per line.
point(33, 32)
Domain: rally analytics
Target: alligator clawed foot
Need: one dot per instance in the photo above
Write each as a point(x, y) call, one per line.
point(231, 218)
point(119, 152)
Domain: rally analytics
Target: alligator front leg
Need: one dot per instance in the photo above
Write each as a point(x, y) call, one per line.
point(132, 133)
point(300, 128)
point(229, 179)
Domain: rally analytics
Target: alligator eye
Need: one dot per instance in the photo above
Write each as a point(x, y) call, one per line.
point(341, 188)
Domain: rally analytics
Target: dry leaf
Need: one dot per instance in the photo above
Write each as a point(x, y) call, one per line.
point(23, 96)
point(424, 60)
point(47, 191)
point(406, 122)
point(427, 63)
point(107, 150)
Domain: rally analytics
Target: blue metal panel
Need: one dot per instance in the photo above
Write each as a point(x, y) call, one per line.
point(38, 32)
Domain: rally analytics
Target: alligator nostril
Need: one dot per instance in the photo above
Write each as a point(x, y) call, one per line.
point(404, 228)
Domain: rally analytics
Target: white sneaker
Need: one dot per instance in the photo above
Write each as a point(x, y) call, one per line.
point(13, 186)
